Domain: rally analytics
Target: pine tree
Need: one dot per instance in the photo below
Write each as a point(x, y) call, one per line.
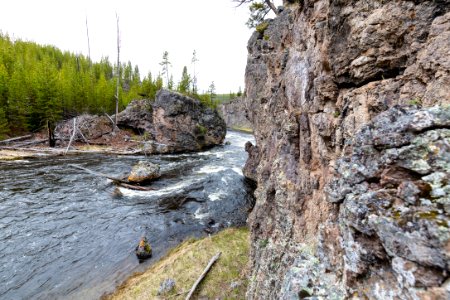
point(212, 93)
point(185, 82)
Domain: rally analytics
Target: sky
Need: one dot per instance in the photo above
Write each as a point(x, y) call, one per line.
point(214, 28)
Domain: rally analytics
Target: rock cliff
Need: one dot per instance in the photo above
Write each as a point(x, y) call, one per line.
point(349, 104)
point(235, 114)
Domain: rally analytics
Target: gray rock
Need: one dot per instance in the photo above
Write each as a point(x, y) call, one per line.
point(235, 114)
point(144, 171)
point(166, 286)
point(137, 116)
point(184, 124)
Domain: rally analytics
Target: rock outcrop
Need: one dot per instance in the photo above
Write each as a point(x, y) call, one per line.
point(184, 124)
point(352, 174)
point(235, 114)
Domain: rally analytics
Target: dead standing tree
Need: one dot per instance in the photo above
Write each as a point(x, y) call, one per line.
point(118, 71)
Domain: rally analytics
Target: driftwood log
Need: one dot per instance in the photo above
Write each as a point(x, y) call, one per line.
point(20, 138)
point(208, 267)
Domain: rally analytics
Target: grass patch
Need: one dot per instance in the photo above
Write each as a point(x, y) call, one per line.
point(242, 129)
point(186, 262)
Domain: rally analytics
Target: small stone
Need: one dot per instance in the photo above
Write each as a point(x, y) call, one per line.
point(235, 284)
point(166, 286)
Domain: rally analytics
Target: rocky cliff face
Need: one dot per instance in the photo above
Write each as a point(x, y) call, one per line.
point(352, 174)
point(235, 114)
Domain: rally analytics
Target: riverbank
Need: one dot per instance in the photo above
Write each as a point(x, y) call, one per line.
point(185, 263)
point(242, 129)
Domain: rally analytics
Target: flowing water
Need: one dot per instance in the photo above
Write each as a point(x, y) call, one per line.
point(66, 234)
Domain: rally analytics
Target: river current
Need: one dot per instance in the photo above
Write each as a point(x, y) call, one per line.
point(66, 234)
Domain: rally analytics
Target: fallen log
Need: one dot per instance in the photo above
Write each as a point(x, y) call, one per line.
point(98, 173)
point(135, 187)
point(116, 180)
point(211, 262)
point(36, 142)
point(39, 150)
point(19, 138)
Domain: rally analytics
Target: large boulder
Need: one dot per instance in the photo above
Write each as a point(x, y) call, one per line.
point(185, 124)
point(144, 171)
point(137, 116)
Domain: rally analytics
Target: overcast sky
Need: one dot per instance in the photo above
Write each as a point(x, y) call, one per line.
point(214, 28)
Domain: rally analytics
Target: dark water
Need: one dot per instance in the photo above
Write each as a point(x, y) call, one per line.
point(65, 234)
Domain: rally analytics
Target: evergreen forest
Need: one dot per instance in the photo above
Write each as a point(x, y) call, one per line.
point(41, 85)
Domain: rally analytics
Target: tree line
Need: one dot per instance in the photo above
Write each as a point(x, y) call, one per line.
point(40, 85)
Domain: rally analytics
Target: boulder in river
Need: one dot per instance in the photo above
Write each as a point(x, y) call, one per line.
point(143, 250)
point(144, 171)
point(185, 124)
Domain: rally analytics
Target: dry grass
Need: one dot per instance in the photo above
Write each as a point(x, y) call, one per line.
point(15, 155)
point(186, 262)
point(242, 129)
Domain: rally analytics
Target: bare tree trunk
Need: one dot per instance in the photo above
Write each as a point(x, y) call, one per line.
point(51, 135)
point(89, 44)
point(114, 124)
point(118, 70)
point(73, 135)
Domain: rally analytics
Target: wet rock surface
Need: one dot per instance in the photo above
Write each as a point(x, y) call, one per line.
point(347, 162)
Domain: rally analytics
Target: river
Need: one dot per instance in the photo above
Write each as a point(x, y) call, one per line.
point(66, 234)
